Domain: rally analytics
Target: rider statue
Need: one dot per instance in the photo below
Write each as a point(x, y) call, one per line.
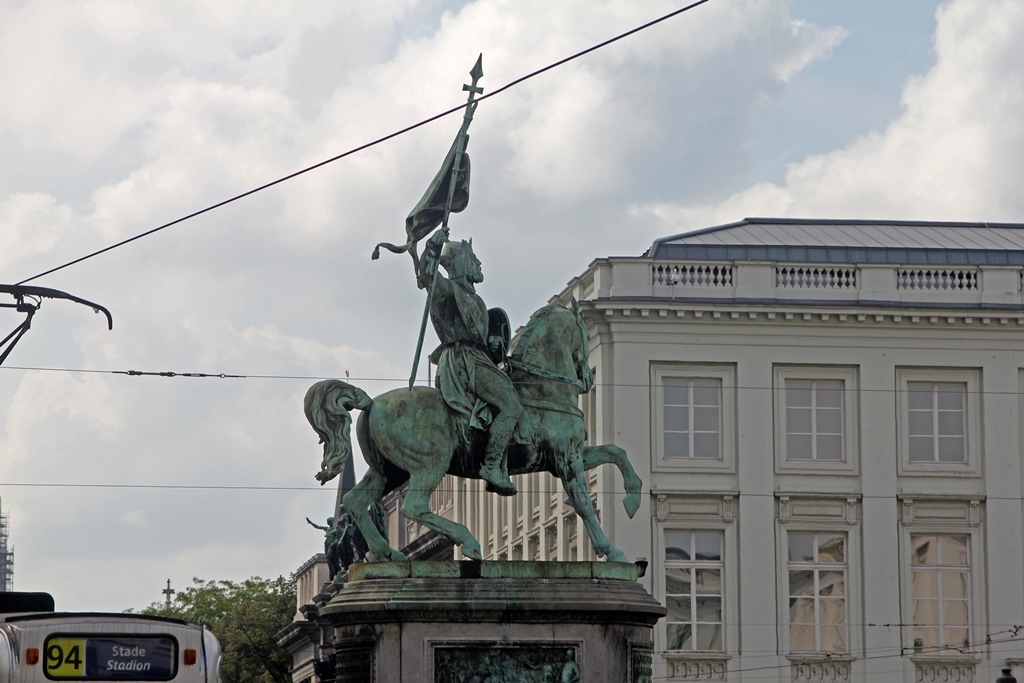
point(467, 372)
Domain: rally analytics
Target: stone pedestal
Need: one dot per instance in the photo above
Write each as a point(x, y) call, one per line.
point(493, 622)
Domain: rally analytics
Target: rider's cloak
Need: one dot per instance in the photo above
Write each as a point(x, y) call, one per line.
point(460, 319)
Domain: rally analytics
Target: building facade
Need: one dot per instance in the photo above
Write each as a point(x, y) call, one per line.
point(309, 639)
point(827, 416)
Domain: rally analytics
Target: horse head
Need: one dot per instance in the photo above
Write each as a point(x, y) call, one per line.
point(556, 344)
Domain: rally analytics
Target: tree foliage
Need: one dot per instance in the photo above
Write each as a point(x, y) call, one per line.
point(244, 617)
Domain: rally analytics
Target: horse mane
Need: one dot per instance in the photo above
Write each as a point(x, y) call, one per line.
point(525, 344)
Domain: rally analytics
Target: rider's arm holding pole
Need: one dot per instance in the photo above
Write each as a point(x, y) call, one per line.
point(425, 274)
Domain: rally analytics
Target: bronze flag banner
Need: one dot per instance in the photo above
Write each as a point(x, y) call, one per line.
point(430, 211)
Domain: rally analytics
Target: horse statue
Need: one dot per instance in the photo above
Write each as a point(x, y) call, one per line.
point(410, 434)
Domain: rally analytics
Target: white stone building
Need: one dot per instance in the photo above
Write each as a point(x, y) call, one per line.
point(828, 417)
point(310, 641)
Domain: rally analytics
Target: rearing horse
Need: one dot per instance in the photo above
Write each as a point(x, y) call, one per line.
point(411, 435)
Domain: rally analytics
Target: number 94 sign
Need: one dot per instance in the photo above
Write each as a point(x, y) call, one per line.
point(64, 658)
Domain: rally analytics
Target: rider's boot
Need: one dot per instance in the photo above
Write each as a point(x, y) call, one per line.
point(494, 470)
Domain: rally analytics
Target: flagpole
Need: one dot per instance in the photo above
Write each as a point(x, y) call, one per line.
point(476, 73)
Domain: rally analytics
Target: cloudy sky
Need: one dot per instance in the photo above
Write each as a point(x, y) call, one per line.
point(118, 117)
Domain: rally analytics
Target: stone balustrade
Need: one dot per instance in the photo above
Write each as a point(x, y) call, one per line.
point(757, 281)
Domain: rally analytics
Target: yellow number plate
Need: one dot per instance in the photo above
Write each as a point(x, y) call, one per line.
point(65, 658)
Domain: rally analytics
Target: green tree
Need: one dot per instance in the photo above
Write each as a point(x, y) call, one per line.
point(244, 617)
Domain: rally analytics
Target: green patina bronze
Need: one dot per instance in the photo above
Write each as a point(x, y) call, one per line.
point(471, 383)
point(413, 435)
point(493, 411)
point(501, 569)
point(343, 542)
point(499, 663)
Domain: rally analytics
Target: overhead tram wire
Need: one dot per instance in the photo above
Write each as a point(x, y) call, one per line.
point(378, 141)
point(401, 380)
point(188, 487)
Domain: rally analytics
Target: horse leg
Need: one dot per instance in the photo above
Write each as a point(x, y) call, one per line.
point(610, 453)
point(417, 508)
point(358, 500)
point(575, 486)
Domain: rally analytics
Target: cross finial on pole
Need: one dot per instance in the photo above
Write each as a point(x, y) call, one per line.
point(168, 592)
point(477, 73)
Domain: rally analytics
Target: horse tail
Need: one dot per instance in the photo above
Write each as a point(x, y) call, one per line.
point(327, 405)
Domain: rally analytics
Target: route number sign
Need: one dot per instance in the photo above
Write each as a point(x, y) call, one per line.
point(110, 657)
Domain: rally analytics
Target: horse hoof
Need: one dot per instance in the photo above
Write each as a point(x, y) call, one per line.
point(616, 555)
point(632, 503)
point(472, 551)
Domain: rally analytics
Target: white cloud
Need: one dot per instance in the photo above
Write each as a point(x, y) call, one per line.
point(951, 155)
point(32, 222)
point(816, 45)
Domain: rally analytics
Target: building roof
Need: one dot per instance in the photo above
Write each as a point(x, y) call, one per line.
point(848, 241)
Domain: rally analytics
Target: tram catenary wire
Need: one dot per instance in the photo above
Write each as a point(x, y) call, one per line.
point(373, 143)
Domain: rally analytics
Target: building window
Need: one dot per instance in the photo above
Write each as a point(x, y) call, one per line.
point(940, 578)
point(936, 422)
point(940, 415)
point(814, 420)
point(693, 590)
point(817, 591)
point(692, 418)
